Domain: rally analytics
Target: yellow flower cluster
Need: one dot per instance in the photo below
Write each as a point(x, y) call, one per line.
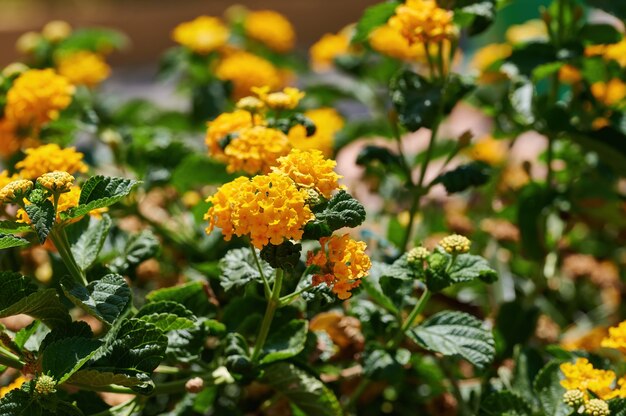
point(287, 99)
point(245, 70)
point(83, 68)
point(597, 407)
point(224, 124)
point(342, 262)
point(581, 375)
point(489, 150)
point(389, 41)
point(267, 208)
point(616, 338)
point(310, 170)
point(56, 182)
point(272, 29)
point(9, 142)
point(489, 54)
point(610, 93)
point(455, 244)
point(615, 51)
point(37, 96)
point(50, 158)
point(14, 190)
point(331, 45)
point(529, 31)
point(417, 255)
point(5, 178)
point(327, 123)
point(256, 150)
point(422, 21)
point(202, 35)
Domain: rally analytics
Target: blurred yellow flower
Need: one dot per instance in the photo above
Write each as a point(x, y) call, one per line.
point(310, 170)
point(324, 51)
point(15, 384)
point(590, 341)
point(9, 142)
point(614, 51)
point(342, 262)
point(422, 21)
point(267, 208)
point(5, 178)
point(287, 99)
point(569, 74)
point(581, 375)
point(245, 70)
point(616, 338)
point(489, 150)
point(48, 158)
point(27, 42)
point(327, 123)
point(390, 41)
point(529, 31)
point(202, 35)
point(56, 30)
point(83, 68)
point(272, 29)
point(489, 54)
point(256, 149)
point(610, 93)
point(37, 96)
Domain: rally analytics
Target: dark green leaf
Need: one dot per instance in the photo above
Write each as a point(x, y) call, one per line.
point(465, 176)
point(286, 342)
point(239, 268)
point(86, 238)
point(417, 100)
point(137, 381)
point(198, 170)
point(139, 247)
point(468, 267)
point(285, 256)
point(531, 219)
point(550, 392)
point(342, 210)
point(106, 298)
point(504, 403)
point(100, 192)
point(64, 357)
point(193, 295)
point(42, 217)
point(600, 33)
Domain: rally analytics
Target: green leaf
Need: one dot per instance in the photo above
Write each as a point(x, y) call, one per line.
point(42, 217)
point(548, 388)
point(416, 100)
point(165, 307)
point(454, 333)
point(531, 55)
point(373, 17)
point(100, 192)
point(476, 16)
point(79, 329)
point(86, 238)
point(11, 227)
point(380, 364)
point(617, 407)
point(8, 241)
point(137, 381)
point(63, 358)
point(22, 403)
point(306, 392)
point(468, 267)
point(20, 296)
point(598, 34)
point(465, 176)
point(608, 143)
point(237, 355)
point(342, 210)
point(239, 268)
point(505, 403)
point(199, 170)
point(533, 200)
point(167, 322)
point(437, 276)
point(139, 247)
point(105, 299)
point(285, 255)
point(288, 341)
point(192, 295)
point(137, 345)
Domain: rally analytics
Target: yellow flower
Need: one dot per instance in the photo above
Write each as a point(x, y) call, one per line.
point(417, 255)
point(489, 150)
point(390, 41)
point(56, 30)
point(57, 182)
point(610, 93)
point(202, 35)
point(327, 123)
point(615, 51)
point(569, 74)
point(616, 338)
point(9, 142)
point(256, 150)
point(422, 21)
point(529, 31)
point(250, 104)
point(310, 170)
point(488, 55)
point(590, 341)
point(582, 376)
point(27, 43)
point(287, 99)
point(45, 385)
point(15, 384)
point(5, 178)
point(14, 69)
point(37, 96)
point(245, 71)
point(272, 29)
point(14, 190)
point(224, 124)
point(84, 68)
point(267, 208)
point(48, 158)
point(324, 51)
point(596, 407)
point(455, 244)
point(342, 262)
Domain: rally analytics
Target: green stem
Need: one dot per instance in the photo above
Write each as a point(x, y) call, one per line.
point(8, 359)
point(272, 305)
point(287, 299)
point(176, 386)
point(59, 239)
point(266, 285)
point(431, 64)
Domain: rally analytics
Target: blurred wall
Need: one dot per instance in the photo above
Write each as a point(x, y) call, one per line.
point(148, 23)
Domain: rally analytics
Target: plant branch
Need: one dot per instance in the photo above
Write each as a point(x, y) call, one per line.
point(272, 305)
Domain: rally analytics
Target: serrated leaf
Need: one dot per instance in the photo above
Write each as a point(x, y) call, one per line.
point(167, 322)
point(137, 381)
point(105, 299)
point(137, 345)
point(617, 407)
point(548, 388)
point(303, 390)
point(193, 295)
point(505, 403)
point(465, 176)
point(165, 306)
point(18, 295)
point(373, 17)
point(239, 268)
point(342, 210)
point(454, 333)
point(417, 100)
point(21, 403)
point(42, 217)
point(86, 238)
point(79, 329)
point(100, 192)
point(288, 341)
point(139, 247)
point(468, 267)
point(12, 227)
point(8, 241)
point(64, 357)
